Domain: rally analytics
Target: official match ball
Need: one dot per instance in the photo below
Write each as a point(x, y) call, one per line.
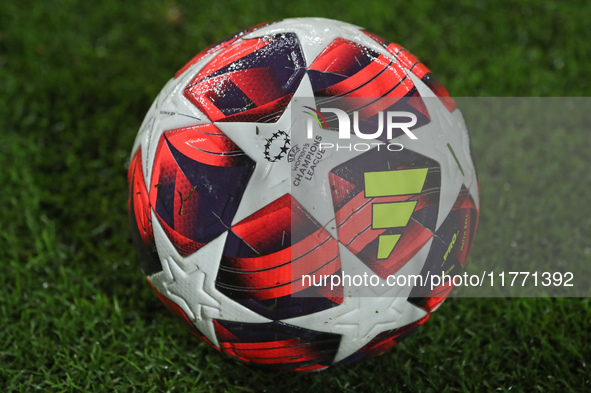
point(294, 189)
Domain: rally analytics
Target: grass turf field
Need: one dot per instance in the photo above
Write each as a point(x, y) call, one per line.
point(76, 79)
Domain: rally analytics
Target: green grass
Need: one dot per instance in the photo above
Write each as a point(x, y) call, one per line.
point(76, 79)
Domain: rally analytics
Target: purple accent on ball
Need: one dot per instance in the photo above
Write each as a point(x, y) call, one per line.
point(276, 331)
point(219, 190)
point(232, 100)
point(282, 307)
point(147, 254)
point(435, 260)
point(165, 201)
point(283, 56)
point(321, 80)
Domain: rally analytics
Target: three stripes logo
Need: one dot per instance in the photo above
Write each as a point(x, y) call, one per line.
point(392, 214)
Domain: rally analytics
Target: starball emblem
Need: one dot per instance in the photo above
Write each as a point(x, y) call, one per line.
point(277, 146)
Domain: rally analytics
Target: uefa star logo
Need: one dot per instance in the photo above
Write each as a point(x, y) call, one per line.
point(277, 146)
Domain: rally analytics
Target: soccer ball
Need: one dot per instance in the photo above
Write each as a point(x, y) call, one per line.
point(293, 188)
